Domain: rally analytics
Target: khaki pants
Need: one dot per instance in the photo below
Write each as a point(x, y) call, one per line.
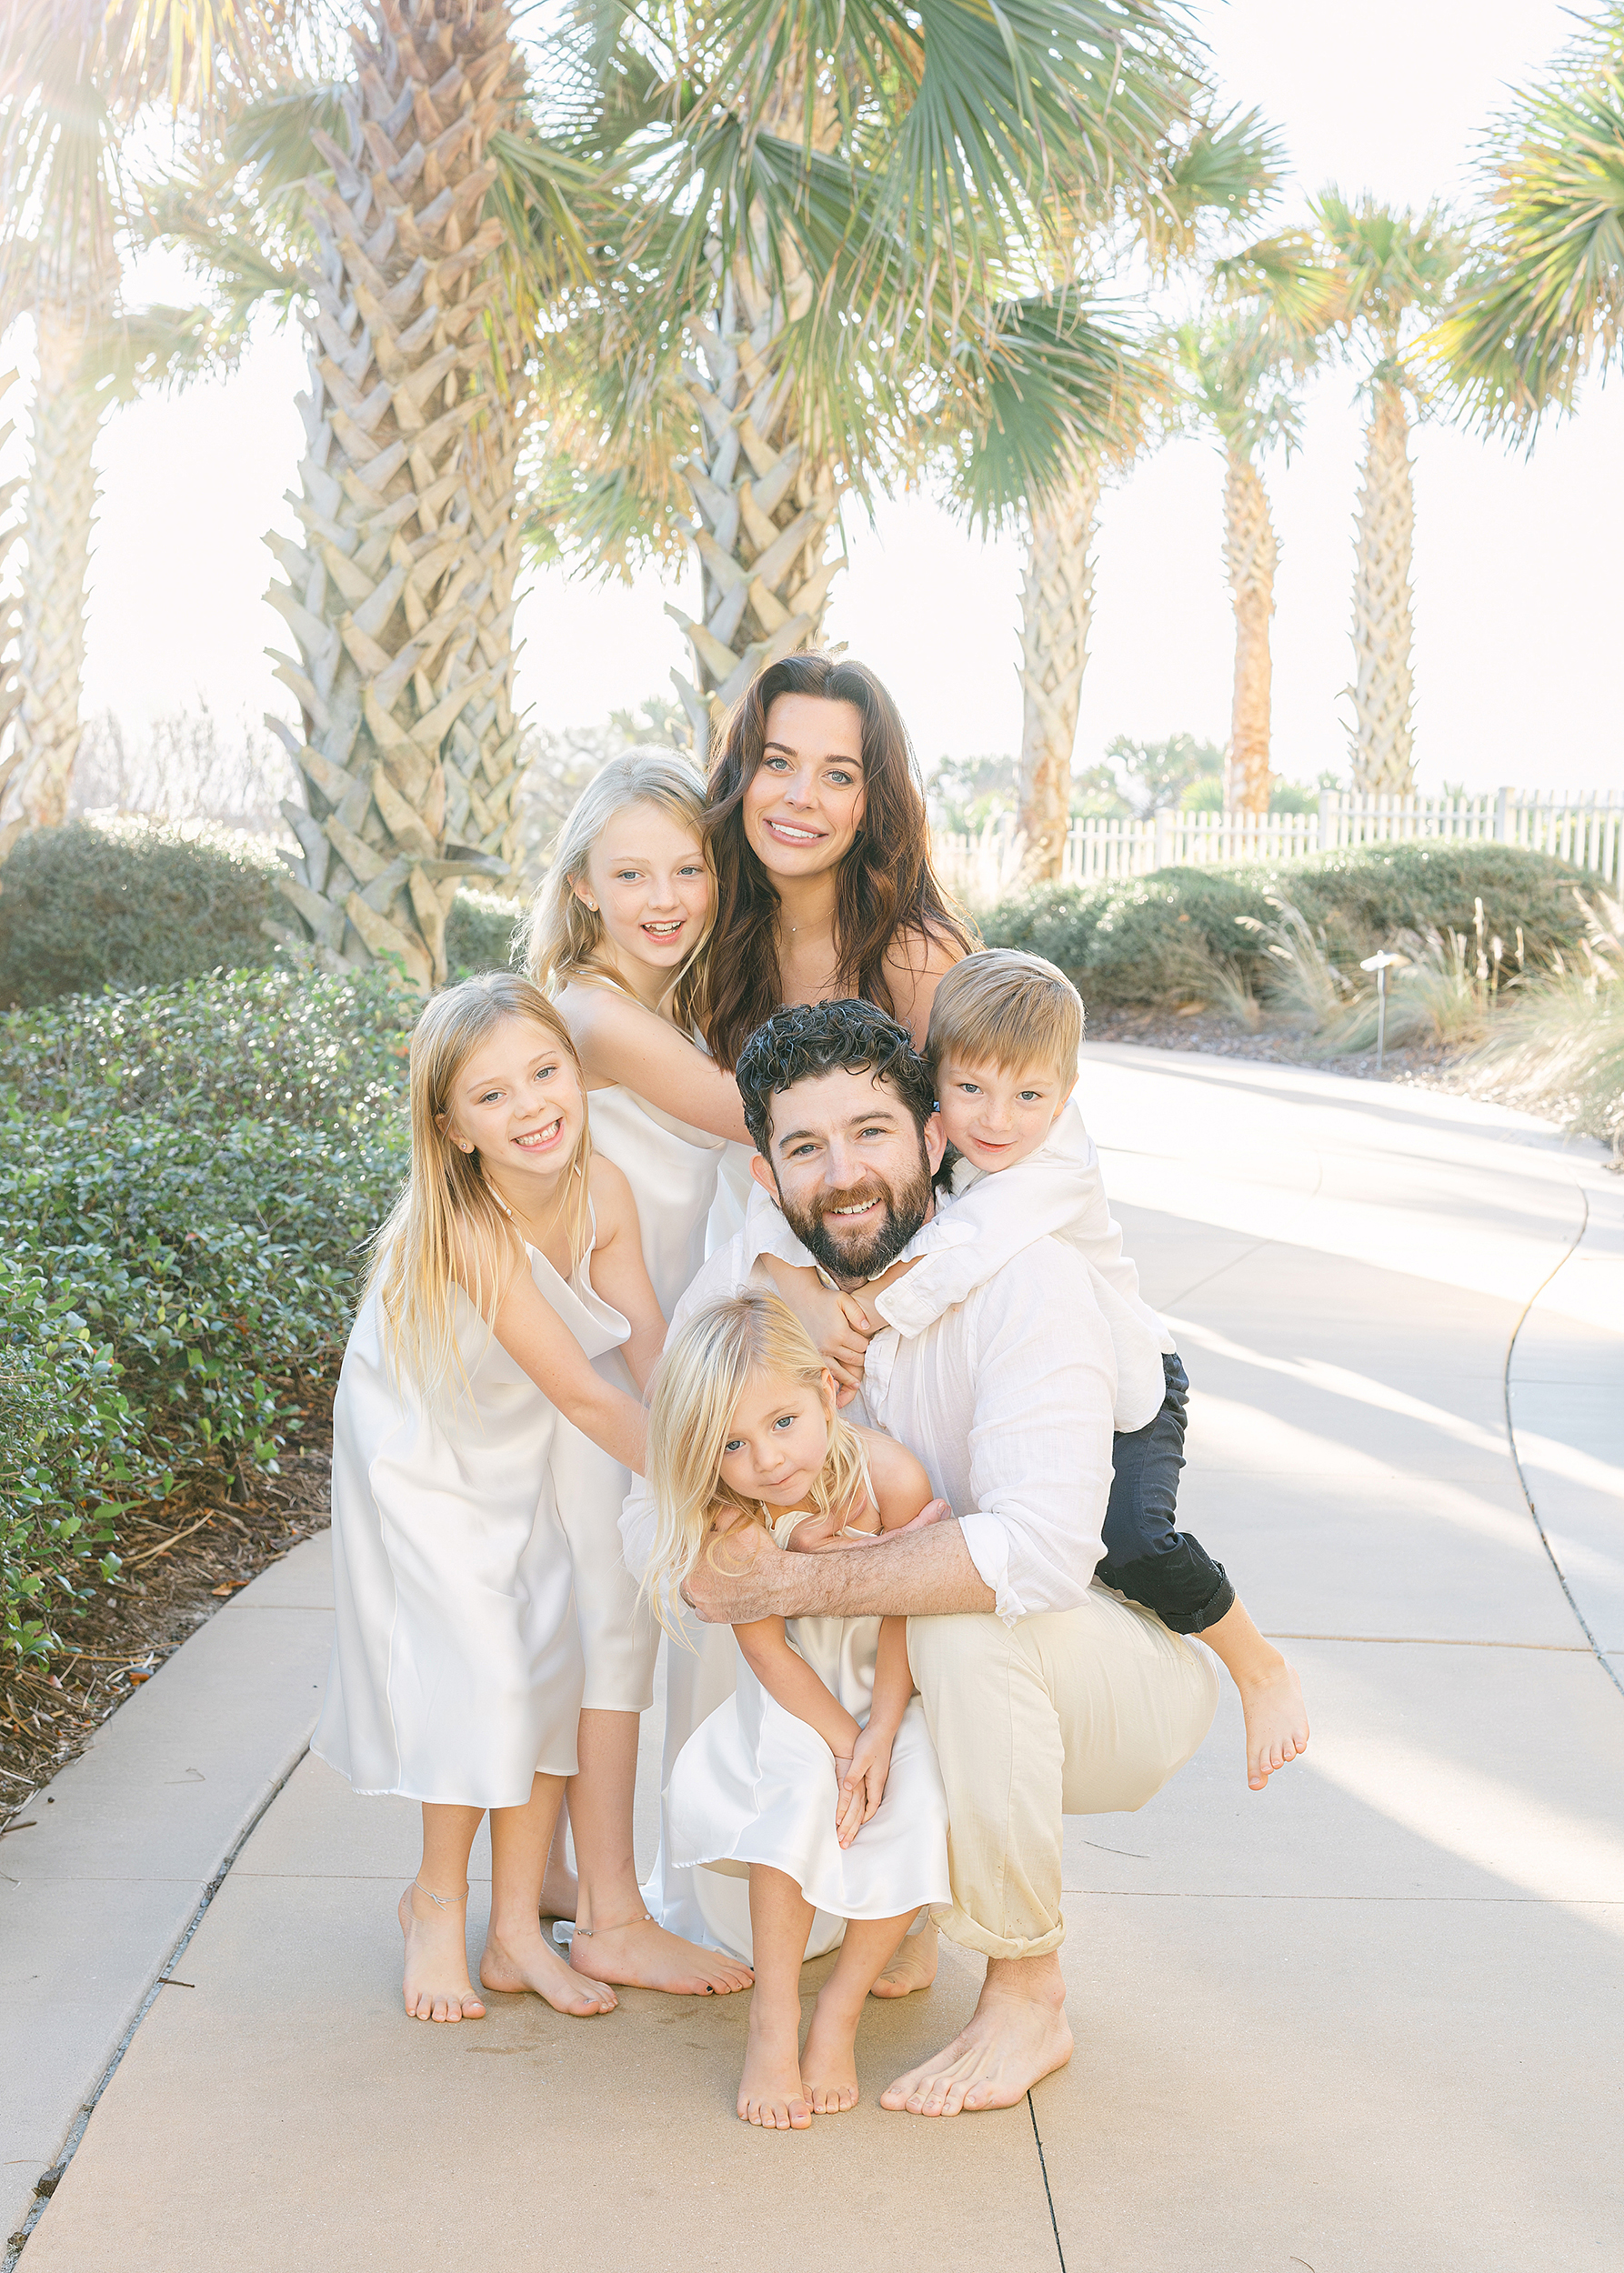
point(1069, 1712)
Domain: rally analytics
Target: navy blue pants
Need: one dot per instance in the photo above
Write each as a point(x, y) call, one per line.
point(1146, 1557)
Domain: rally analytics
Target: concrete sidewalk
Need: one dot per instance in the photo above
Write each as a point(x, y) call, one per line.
point(1365, 2023)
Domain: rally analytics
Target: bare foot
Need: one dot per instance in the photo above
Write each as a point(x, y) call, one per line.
point(914, 1966)
point(526, 1961)
point(770, 2092)
point(437, 1985)
point(1017, 2035)
point(1277, 1722)
point(830, 2063)
point(642, 1955)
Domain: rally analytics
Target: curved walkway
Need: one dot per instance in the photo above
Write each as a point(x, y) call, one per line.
point(1363, 2023)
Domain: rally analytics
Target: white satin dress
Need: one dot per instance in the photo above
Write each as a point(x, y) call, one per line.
point(754, 1784)
point(672, 1169)
point(456, 1667)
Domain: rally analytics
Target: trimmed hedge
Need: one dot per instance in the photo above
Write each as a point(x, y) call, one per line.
point(1172, 935)
point(187, 1176)
point(131, 903)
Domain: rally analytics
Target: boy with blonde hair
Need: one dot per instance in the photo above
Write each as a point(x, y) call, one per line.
point(1005, 1028)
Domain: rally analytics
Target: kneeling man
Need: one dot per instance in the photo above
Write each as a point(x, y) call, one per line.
point(1045, 1695)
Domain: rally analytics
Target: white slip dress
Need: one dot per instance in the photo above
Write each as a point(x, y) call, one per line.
point(754, 1784)
point(456, 1667)
point(672, 1169)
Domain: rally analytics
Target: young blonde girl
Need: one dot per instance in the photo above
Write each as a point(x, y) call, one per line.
point(817, 1776)
point(617, 936)
point(511, 1259)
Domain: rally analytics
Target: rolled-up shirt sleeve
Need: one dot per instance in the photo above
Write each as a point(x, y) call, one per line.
point(1043, 1378)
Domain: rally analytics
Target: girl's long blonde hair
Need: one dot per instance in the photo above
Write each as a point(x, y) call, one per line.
point(563, 937)
point(692, 1400)
point(447, 1229)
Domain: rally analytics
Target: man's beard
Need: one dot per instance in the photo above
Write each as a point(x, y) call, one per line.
point(863, 1254)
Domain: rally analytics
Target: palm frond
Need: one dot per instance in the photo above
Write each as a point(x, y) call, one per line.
point(1544, 299)
point(1238, 372)
point(1053, 377)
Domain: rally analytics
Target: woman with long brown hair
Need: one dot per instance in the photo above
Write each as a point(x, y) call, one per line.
point(821, 847)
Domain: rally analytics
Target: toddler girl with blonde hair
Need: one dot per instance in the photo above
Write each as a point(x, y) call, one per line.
point(817, 1778)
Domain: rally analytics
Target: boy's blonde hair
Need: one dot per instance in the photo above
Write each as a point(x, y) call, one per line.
point(447, 1227)
point(563, 938)
point(693, 1397)
point(1004, 1007)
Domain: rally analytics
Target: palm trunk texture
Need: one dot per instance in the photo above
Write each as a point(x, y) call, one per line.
point(11, 685)
point(1250, 556)
point(763, 499)
point(1383, 690)
point(1057, 602)
point(60, 510)
point(400, 598)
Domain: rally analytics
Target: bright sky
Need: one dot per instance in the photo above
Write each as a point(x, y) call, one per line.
point(1520, 579)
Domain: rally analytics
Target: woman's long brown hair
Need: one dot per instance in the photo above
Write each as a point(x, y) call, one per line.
point(885, 886)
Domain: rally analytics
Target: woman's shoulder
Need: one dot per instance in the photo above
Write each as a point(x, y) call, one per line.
point(925, 950)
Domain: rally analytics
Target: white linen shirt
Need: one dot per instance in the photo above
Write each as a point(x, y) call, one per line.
point(992, 1218)
point(1005, 1399)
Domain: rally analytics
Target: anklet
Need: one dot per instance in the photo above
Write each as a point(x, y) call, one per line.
point(587, 1931)
point(440, 1901)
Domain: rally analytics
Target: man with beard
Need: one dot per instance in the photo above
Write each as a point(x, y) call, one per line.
point(1044, 1694)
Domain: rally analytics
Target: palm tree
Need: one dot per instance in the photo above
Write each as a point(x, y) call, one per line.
point(1237, 374)
point(11, 691)
point(416, 175)
point(1393, 271)
point(1544, 298)
point(830, 207)
point(72, 80)
point(1225, 169)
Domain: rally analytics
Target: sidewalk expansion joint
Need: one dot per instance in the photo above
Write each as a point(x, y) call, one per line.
point(1047, 2196)
point(17, 2241)
point(1583, 1624)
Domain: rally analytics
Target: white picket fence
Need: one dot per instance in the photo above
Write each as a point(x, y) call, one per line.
point(1585, 828)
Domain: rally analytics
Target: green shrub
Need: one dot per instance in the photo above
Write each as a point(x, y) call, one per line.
point(131, 904)
point(479, 934)
point(64, 1429)
point(187, 1176)
point(1178, 934)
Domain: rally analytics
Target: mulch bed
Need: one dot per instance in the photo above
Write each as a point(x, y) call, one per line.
point(181, 1564)
point(1209, 1033)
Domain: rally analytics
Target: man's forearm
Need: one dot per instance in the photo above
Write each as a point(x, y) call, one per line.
point(921, 1574)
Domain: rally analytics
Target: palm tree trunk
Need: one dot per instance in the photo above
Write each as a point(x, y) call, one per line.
point(60, 510)
point(400, 597)
point(11, 624)
point(1057, 602)
point(1250, 555)
point(764, 498)
point(1383, 749)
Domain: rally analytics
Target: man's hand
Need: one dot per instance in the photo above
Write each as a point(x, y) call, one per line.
point(925, 1572)
point(729, 1585)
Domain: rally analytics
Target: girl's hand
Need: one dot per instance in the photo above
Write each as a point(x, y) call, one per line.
point(863, 1780)
point(836, 1323)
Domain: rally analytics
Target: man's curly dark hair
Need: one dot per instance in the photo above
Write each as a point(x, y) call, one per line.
point(823, 1037)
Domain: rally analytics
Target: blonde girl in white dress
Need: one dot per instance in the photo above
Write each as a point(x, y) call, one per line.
point(617, 936)
point(817, 1777)
point(511, 1259)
